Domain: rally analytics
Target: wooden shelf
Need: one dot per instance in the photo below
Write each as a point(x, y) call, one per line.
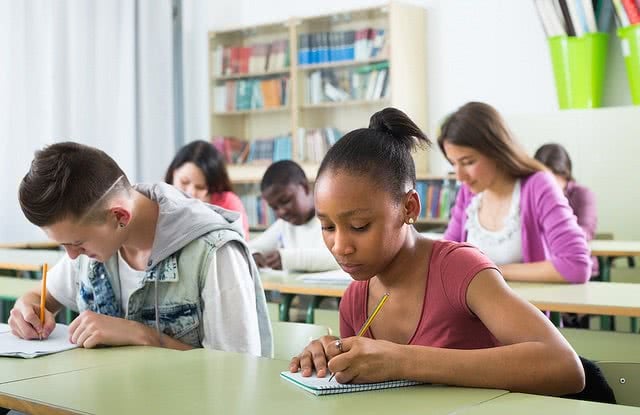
point(423, 177)
point(341, 64)
point(433, 221)
point(332, 104)
point(253, 111)
point(252, 173)
point(219, 78)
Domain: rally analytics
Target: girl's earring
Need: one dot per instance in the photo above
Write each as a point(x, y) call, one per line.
point(122, 225)
point(411, 221)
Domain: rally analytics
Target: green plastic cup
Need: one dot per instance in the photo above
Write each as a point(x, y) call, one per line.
point(578, 67)
point(630, 42)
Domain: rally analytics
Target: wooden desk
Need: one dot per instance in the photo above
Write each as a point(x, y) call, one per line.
point(14, 369)
point(205, 381)
point(523, 404)
point(28, 259)
point(614, 248)
point(11, 289)
point(30, 245)
point(603, 298)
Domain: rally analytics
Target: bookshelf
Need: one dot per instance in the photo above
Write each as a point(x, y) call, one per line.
point(355, 62)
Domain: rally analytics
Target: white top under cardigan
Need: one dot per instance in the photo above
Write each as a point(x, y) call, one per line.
point(505, 245)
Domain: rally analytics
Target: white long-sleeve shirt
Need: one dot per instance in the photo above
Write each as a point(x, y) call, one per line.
point(301, 246)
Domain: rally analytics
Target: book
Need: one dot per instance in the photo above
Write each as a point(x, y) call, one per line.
point(58, 341)
point(324, 386)
point(327, 277)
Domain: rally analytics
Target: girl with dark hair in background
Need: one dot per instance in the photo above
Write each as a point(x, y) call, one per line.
point(199, 170)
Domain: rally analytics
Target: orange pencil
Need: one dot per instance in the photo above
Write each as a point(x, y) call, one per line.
point(43, 293)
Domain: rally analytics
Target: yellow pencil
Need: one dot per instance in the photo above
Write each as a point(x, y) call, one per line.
point(368, 322)
point(43, 294)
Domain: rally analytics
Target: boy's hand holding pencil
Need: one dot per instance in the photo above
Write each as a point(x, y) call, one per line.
point(30, 320)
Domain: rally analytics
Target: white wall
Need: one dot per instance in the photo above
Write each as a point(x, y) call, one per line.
point(495, 51)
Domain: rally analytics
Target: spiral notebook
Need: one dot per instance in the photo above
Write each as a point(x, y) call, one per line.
point(322, 386)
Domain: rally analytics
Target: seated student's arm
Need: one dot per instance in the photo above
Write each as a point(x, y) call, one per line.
point(455, 229)
point(266, 243)
point(584, 207)
point(533, 358)
point(24, 318)
point(229, 317)
point(92, 329)
point(569, 259)
point(310, 259)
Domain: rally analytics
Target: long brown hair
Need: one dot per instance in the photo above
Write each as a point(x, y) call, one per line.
point(479, 126)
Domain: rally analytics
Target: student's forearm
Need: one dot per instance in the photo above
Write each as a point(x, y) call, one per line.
point(529, 367)
point(33, 297)
point(148, 336)
point(543, 271)
point(310, 260)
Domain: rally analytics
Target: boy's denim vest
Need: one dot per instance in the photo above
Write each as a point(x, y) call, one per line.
point(181, 278)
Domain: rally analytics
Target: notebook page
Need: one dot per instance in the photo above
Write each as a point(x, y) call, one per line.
point(58, 341)
point(4, 328)
point(322, 386)
point(327, 277)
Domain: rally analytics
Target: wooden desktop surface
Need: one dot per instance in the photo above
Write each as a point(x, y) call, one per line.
point(603, 298)
point(524, 404)
point(614, 248)
point(12, 288)
point(30, 245)
point(206, 381)
point(28, 259)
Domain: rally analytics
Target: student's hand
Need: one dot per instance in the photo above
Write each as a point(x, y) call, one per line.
point(261, 262)
point(91, 329)
point(364, 360)
point(315, 356)
point(24, 320)
point(273, 260)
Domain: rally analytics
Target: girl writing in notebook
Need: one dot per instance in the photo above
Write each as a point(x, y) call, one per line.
point(450, 318)
point(509, 206)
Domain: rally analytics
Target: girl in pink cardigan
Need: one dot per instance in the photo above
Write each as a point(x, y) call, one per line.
point(509, 206)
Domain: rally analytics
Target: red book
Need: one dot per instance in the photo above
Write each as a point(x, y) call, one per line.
point(234, 60)
point(245, 55)
point(632, 11)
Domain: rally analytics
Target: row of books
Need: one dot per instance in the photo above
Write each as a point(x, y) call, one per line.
point(627, 12)
point(367, 82)
point(349, 45)
point(258, 210)
point(313, 143)
point(248, 94)
point(579, 17)
point(437, 197)
point(270, 149)
point(252, 59)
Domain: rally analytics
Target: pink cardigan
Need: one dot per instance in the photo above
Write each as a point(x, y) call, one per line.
point(549, 227)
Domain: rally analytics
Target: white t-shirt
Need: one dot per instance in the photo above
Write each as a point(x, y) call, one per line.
point(301, 247)
point(503, 246)
point(230, 321)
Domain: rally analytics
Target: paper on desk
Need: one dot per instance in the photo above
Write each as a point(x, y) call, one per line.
point(58, 341)
point(327, 277)
point(4, 328)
